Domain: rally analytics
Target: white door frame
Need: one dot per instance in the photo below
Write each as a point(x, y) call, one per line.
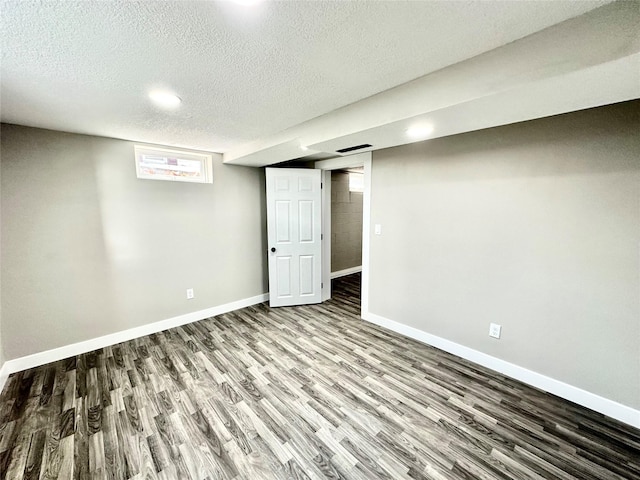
point(357, 160)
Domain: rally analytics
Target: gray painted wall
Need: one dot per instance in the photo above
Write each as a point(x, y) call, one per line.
point(346, 224)
point(88, 249)
point(534, 226)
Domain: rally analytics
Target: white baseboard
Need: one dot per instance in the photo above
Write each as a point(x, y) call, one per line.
point(590, 400)
point(48, 356)
point(346, 271)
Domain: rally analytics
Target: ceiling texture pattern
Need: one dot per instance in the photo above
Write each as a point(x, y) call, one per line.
point(244, 74)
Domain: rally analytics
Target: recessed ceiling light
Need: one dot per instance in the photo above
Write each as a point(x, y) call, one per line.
point(419, 131)
point(302, 147)
point(164, 98)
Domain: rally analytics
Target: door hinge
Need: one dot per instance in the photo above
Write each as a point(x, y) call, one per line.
point(322, 236)
point(321, 185)
point(322, 285)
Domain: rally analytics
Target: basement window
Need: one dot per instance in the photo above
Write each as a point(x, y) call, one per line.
point(356, 182)
point(173, 165)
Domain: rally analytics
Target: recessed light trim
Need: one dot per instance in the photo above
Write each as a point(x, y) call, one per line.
point(164, 98)
point(419, 131)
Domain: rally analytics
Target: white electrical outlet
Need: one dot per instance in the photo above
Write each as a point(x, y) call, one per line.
point(190, 294)
point(494, 330)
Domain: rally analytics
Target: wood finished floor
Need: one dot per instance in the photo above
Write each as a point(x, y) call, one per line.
point(295, 393)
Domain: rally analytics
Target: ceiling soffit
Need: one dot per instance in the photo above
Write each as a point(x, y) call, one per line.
point(584, 62)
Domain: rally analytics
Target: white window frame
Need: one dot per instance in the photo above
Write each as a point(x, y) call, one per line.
point(206, 164)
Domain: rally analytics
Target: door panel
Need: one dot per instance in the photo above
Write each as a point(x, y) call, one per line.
point(293, 229)
point(282, 184)
point(305, 184)
point(305, 220)
point(283, 221)
point(306, 275)
point(283, 275)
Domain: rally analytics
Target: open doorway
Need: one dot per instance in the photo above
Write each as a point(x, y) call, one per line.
point(336, 265)
point(347, 186)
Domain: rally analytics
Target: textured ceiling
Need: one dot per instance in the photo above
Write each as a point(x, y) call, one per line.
point(243, 73)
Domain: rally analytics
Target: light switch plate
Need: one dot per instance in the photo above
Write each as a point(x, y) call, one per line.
point(495, 330)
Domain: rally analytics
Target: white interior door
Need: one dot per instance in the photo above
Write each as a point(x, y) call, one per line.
point(294, 227)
